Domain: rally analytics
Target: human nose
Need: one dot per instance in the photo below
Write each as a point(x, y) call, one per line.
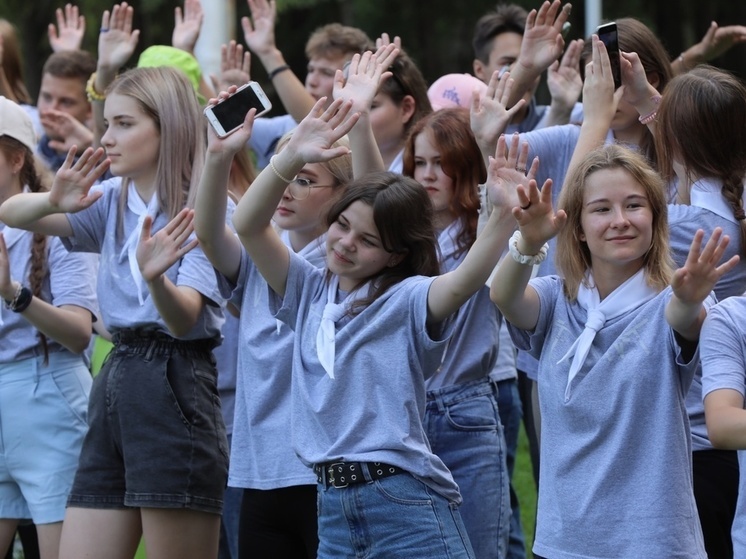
point(347, 242)
point(620, 218)
point(106, 139)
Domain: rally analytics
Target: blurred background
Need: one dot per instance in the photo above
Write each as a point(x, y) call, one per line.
point(437, 33)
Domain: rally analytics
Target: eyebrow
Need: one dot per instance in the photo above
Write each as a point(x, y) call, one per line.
point(606, 200)
point(366, 235)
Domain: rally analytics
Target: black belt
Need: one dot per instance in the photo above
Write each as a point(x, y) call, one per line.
point(342, 474)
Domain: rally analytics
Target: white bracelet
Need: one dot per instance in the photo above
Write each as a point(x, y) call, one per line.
point(530, 260)
point(276, 172)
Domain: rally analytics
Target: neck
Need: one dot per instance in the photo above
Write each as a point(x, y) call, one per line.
point(631, 135)
point(608, 278)
point(145, 189)
point(11, 190)
point(389, 153)
point(299, 239)
point(442, 219)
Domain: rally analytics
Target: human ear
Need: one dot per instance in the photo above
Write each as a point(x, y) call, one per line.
point(480, 70)
point(407, 108)
point(395, 259)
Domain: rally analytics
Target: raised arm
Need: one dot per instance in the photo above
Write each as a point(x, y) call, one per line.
point(364, 76)
point(187, 26)
point(69, 325)
point(565, 84)
point(259, 34)
point(218, 242)
point(537, 223)
point(488, 115)
point(70, 29)
point(716, 41)
point(310, 143)
point(449, 291)
point(695, 280)
point(43, 212)
point(542, 45)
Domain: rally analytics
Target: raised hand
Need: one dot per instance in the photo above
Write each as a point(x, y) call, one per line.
point(717, 40)
point(312, 139)
point(488, 114)
point(600, 99)
point(117, 40)
point(187, 25)
point(70, 190)
point(694, 281)
point(70, 131)
point(235, 67)
point(563, 77)
point(507, 170)
point(542, 38)
point(365, 74)
point(384, 40)
point(259, 31)
point(236, 141)
point(70, 29)
point(637, 89)
point(157, 253)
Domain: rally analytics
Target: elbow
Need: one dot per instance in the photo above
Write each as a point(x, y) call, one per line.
point(78, 343)
point(718, 438)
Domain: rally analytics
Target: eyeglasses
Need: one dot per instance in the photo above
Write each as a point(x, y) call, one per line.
point(300, 188)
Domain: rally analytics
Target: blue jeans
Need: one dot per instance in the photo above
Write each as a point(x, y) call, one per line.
point(397, 516)
point(509, 405)
point(463, 426)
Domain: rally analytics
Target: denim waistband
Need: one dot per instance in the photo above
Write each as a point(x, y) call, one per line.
point(158, 342)
point(449, 395)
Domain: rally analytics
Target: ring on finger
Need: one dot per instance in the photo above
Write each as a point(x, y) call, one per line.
point(527, 206)
point(520, 169)
point(104, 30)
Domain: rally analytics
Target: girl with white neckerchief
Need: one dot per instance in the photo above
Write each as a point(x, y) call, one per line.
point(155, 460)
point(617, 351)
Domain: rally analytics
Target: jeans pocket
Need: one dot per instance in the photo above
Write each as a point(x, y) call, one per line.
point(403, 489)
point(478, 413)
point(74, 385)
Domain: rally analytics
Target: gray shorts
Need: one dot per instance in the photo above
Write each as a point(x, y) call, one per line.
point(156, 436)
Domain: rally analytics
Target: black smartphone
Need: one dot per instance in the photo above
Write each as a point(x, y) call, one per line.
point(608, 34)
point(228, 115)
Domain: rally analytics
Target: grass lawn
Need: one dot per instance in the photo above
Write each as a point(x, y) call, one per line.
point(525, 488)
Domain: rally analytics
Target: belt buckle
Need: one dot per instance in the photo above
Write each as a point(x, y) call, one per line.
point(330, 475)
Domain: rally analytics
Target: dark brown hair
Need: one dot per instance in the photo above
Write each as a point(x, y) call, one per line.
point(78, 64)
point(702, 126)
point(460, 159)
point(403, 215)
point(505, 18)
point(29, 175)
point(406, 79)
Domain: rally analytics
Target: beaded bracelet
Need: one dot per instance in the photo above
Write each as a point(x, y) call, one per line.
point(276, 172)
point(647, 119)
point(529, 259)
point(90, 90)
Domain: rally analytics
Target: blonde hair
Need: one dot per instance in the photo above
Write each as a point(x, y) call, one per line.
point(339, 167)
point(572, 257)
point(166, 96)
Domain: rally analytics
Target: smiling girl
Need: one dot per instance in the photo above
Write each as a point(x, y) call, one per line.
point(616, 474)
point(368, 330)
point(155, 460)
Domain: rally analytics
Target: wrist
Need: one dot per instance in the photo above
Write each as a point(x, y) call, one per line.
point(9, 291)
point(526, 253)
point(271, 58)
point(287, 163)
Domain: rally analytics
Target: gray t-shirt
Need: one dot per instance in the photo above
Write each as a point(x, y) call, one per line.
point(94, 230)
point(616, 474)
point(372, 410)
point(723, 350)
point(71, 280)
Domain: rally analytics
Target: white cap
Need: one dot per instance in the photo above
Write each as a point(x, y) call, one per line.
point(14, 122)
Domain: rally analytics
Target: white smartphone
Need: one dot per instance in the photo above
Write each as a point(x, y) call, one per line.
point(228, 115)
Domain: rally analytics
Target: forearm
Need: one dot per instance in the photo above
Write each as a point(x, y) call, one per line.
point(453, 289)
point(510, 292)
point(217, 241)
point(69, 326)
point(592, 136)
point(685, 318)
point(366, 157)
point(178, 306)
point(296, 100)
point(34, 212)
point(558, 114)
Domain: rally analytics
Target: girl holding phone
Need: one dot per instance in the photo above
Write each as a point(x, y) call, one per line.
point(155, 460)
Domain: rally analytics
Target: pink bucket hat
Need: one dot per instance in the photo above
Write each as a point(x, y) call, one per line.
point(454, 90)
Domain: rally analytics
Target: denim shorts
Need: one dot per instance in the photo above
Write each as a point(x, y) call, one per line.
point(157, 438)
point(42, 424)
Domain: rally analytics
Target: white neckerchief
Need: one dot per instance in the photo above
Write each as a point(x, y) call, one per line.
point(325, 336)
point(314, 253)
point(137, 206)
point(708, 194)
point(631, 294)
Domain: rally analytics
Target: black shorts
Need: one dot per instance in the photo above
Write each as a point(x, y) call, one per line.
point(156, 436)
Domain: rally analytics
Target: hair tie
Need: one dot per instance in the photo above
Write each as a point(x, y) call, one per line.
point(739, 214)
